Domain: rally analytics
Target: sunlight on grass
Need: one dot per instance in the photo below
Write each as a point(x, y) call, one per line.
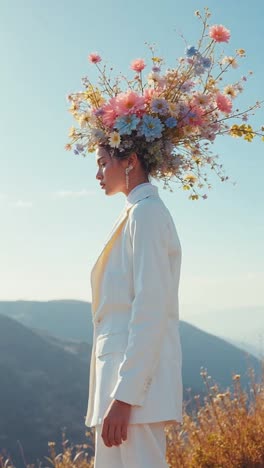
point(226, 430)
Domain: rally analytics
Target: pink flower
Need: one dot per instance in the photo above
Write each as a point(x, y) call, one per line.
point(148, 94)
point(110, 112)
point(94, 58)
point(223, 103)
point(200, 99)
point(138, 65)
point(129, 103)
point(197, 118)
point(219, 33)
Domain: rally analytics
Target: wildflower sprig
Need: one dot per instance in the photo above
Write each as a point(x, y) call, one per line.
point(170, 117)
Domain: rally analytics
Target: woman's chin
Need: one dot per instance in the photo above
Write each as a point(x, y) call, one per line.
point(106, 190)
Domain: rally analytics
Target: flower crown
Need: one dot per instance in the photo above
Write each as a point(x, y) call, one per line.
point(171, 118)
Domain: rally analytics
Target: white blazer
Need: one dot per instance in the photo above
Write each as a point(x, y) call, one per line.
point(136, 355)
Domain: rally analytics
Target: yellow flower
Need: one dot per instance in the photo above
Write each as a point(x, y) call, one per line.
point(114, 139)
point(74, 107)
point(242, 130)
point(235, 131)
point(72, 132)
point(197, 160)
point(94, 96)
point(211, 85)
point(156, 59)
point(91, 148)
point(249, 136)
point(190, 178)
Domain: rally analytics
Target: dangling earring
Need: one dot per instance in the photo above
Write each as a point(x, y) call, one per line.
point(127, 176)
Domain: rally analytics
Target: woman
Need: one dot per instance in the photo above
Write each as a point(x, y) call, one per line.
point(135, 372)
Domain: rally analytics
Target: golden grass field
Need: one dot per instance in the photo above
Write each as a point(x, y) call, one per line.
point(225, 430)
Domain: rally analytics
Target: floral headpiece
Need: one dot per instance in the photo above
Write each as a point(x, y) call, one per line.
point(171, 118)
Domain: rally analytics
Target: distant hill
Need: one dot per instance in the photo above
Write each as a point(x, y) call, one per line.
point(241, 325)
point(219, 357)
point(44, 378)
point(62, 318)
point(43, 389)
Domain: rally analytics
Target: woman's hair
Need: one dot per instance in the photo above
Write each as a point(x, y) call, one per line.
point(115, 153)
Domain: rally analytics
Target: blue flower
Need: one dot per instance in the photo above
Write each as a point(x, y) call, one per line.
point(171, 122)
point(199, 69)
point(206, 62)
point(160, 106)
point(190, 51)
point(78, 149)
point(99, 112)
point(201, 63)
point(126, 124)
point(151, 127)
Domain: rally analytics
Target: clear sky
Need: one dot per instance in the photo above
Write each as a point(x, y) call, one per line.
point(54, 216)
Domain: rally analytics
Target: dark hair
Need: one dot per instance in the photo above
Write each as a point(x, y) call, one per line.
point(115, 153)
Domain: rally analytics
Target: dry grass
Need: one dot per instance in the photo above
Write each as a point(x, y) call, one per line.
point(226, 431)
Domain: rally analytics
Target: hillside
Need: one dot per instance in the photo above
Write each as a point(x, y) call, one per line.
point(43, 389)
point(44, 378)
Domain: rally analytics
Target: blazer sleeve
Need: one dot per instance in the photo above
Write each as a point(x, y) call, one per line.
point(149, 231)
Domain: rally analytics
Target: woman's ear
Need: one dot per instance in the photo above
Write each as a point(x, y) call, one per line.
point(133, 158)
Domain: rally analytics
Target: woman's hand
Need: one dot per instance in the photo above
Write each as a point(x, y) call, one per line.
point(115, 423)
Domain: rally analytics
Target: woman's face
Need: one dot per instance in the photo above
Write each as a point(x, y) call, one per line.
point(111, 172)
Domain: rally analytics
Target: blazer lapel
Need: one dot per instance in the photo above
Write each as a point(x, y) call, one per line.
point(144, 191)
point(98, 267)
point(117, 224)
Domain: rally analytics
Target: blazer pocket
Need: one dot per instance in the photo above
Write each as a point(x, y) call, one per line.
point(111, 343)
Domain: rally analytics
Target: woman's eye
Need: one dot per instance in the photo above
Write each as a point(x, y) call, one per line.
point(103, 164)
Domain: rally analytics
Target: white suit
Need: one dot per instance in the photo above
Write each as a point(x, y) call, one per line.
point(136, 354)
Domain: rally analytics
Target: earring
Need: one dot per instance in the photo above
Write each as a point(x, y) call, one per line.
point(127, 176)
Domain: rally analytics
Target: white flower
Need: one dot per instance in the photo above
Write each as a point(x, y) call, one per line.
point(155, 77)
point(230, 60)
point(114, 139)
point(230, 91)
point(84, 119)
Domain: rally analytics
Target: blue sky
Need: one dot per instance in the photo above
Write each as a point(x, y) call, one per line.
point(54, 216)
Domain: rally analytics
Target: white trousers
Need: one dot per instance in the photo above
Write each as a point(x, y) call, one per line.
point(145, 447)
